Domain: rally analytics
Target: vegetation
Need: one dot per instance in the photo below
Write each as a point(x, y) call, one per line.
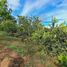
point(62, 60)
point(34, 38)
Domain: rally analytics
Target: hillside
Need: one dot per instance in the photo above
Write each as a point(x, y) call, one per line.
point(26, 42)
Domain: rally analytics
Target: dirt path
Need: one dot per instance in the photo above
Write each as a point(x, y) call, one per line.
point(9, 58)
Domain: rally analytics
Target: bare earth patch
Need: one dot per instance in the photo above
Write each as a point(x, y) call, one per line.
point(9, 58)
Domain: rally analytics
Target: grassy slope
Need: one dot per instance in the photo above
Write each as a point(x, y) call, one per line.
point(34, 54)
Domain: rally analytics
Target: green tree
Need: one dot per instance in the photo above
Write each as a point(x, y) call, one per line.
point(24, 25)
point(53, 22)
point(5, 13)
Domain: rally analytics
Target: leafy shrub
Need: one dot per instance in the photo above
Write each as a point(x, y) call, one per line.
point(8, 26)
point(62, 58)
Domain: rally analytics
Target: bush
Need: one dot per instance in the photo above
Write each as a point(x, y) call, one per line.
point(62, 58)
point(8, 26)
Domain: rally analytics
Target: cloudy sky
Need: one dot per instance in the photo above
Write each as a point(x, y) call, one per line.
point(45, 9)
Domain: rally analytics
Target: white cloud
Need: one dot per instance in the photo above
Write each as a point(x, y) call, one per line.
point(60, 12)
point(13, 4)
point(35, 5)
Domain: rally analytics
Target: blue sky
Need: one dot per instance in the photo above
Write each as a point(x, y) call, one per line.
point(45, 9)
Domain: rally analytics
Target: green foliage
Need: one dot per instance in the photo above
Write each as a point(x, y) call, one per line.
point(55, 41)
point(62, 58)
point(53, 22)
point(28, 26)
point(19, 50)
point(37, 36)
point(24, 26)
point(8, 26)
point(5, 13)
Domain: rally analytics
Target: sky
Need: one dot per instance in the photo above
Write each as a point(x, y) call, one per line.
point(45, 9)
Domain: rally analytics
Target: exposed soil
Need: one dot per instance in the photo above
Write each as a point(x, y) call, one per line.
point(9, 58)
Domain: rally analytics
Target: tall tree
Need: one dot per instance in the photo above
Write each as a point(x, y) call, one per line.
point(53, 22)
point(5, 13)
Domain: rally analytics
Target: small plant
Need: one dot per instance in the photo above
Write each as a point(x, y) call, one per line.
point(19, 50)
point(62, 58)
